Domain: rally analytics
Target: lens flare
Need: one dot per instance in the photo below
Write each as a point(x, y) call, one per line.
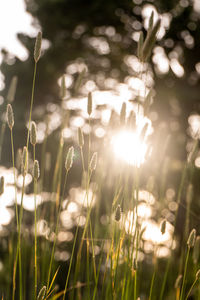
point(129, 146)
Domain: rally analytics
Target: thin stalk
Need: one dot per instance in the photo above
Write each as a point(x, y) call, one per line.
point(19, 237)
point(35, 219)
point(178, 203)
point(82, 159)
point(191, 288)
point(56, 231)
point(137, 230)
point(35, 216)
point(23, 186)
point(16, 208)
point(152, 283)
point(184, 275)
point(3, 127)
point(98, 272)
point(70, 264)
point(88, 269)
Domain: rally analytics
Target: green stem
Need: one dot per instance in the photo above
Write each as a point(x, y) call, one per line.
point(56, 231)
point(178, 203)
point(152, 283)
point(3, 127)
point(35, 195)
point(191, 288)
point(23, 187)
point(185, 272)
point(16, 208)
point(70, 264)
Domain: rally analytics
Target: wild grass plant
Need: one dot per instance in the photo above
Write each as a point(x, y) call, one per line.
point(107, 258)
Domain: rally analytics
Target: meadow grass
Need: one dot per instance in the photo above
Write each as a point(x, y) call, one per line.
point(107, 259)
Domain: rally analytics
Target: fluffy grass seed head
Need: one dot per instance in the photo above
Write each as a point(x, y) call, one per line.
point(38, 44)
point(10, 116)
point(135, 264)
point(33, 134)
point(123, 114)
point(144, 131)
point(163, 226)
point(93, 162)
point(79, 80)
point(178, 281)
point(1, 185)
point(36, 170)
point(131, 122)
point(69, 159)
point(118, 213)
point(151, 19)
point(89, 104)
point(80, 138)
point(198, 274)
point(148, 101)
point(140, 45)
point(63, 87)
point(192, 238)
point(18, 158)
point(42, 293)
point(12, 89)
point(150, 41)
point(196, 250)
point(24, 161)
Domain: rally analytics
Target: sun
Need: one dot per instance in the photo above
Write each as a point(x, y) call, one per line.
point(130, 147)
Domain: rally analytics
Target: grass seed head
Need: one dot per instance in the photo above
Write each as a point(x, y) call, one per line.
point(150, 41)
point(10, 116)
point(63, 87)
point(38, 44)
point(144, 131)
point(42, 293)
point(123, 114)
point(12, 90)
point(18, 158)
point(196, 250)
point(89, 105)
point(36, 170)
point(140, 45)
point(79, 80)
point(69, 159)
point(148, 101)
point(33, 134)
point(132, 121)
point(198, 274)
point(1, 185)
point(118, 214)
point(163, 226)
point(192, 238)
point(151, 19)
point(24, 161)
point(80, 138)
point(135, 264)
point(93, 162)
point(178, 281)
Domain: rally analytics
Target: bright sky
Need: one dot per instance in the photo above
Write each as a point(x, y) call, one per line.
point(14, 19)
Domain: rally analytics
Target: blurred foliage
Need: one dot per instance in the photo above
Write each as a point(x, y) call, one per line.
point(69, 26)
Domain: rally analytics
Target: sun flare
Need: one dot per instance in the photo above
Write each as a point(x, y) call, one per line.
point(129, 146)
